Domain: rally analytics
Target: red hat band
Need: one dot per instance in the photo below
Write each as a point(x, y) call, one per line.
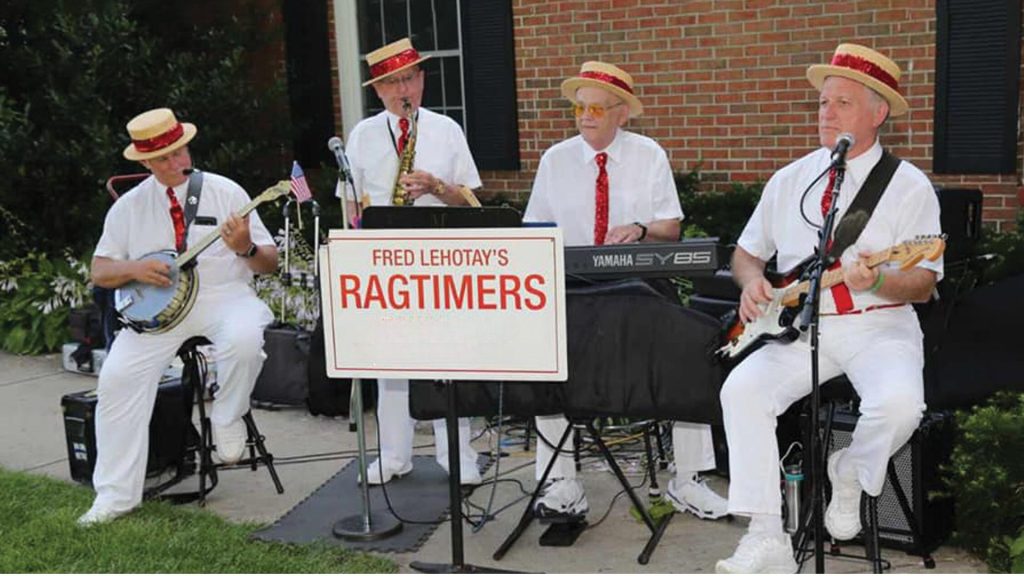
point(395, 62)
point(161, 140)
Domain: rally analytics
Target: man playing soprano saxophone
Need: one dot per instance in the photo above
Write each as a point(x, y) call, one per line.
point(408, 155)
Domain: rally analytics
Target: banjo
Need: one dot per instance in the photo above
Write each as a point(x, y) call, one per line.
point(156, 309)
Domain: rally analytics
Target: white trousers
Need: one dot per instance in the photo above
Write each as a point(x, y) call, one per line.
point(692, 448)
point(397, 428)
point(881, 354)
point(233, 320)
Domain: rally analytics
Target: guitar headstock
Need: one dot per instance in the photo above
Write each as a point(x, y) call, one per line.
point(282, 188)
point(909, 253)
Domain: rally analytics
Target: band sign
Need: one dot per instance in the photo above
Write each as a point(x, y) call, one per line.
point(455, 304)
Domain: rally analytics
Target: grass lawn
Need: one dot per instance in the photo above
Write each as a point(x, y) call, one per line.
point(38, 534)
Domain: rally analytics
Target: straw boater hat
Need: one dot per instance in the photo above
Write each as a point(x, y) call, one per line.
point(867, 67)
point(391, 59)
point(608, 77)
point(155, 133)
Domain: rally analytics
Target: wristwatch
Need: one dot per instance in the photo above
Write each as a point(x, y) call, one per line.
point(248, 253)
point(643, 231)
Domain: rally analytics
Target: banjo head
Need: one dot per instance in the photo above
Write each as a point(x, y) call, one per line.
point(142, 304)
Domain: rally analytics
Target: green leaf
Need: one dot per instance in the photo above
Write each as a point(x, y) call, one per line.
point(15, 340)
point(1017, 547)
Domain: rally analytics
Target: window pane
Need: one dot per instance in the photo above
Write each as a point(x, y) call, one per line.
point(447, 24)
point(432, 97)
point(456, 114)
point(422, 25)
point(452, 81)
point(373, 104)
point(371, 36)
point(396, 20)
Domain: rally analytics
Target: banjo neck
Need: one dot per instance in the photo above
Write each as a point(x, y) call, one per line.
point(276, 191)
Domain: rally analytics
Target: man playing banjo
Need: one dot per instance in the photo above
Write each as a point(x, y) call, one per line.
point(150, 218)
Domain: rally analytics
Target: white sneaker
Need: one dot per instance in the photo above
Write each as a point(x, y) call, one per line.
point(842, 518)
point(374, 470)
point(760, 553)
point(561, 501)
point(694, 496)
point(230, 441)
point(99, 515)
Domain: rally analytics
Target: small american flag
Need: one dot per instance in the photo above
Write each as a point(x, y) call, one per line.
point(299, 186)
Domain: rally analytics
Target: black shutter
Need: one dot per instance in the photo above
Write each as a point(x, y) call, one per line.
point(489, 68)
point(977, 69)
point(309, 79)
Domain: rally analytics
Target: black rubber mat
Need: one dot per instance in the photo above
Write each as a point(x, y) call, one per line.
point(420, 496)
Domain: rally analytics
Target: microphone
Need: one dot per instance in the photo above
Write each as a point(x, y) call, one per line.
point(844, 142)
point(335, 145)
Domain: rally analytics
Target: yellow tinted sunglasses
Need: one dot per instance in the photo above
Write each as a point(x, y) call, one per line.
point(595, 110)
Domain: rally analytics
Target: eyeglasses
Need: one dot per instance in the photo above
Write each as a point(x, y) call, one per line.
point(403, 79)
point(595, 110)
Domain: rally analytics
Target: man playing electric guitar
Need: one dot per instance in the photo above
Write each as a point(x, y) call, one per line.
point(152, 217)
point(868, 329)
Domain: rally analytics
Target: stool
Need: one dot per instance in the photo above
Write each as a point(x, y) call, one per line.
point(194, 373)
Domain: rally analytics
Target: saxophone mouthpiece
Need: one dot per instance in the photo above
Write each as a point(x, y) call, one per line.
point(406, 105)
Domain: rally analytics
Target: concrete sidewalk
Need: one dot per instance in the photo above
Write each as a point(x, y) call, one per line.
point(32, 429)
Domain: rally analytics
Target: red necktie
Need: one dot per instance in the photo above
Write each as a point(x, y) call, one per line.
point(601, 200)
point(403, 123)
point(840, 293)
point(178, 218)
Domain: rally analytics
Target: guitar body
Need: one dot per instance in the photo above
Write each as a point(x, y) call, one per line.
point(156, 309)
point(776, 323)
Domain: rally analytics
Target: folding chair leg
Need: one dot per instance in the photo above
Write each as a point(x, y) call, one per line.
point(257, 446)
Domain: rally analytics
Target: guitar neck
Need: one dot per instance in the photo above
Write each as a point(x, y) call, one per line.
point(192, 253)
point(830, 278)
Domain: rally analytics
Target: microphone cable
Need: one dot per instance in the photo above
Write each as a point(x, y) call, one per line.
point(803, 198)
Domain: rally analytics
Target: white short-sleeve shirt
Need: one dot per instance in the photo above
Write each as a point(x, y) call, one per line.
point(908, 208)
point(441, 150)
point(640, 186)
point(140, 223)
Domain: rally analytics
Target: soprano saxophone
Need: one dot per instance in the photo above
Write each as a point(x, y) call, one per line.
point(399, 195)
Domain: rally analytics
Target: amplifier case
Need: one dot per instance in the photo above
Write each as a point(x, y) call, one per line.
point(170, 430)
point(917, 469)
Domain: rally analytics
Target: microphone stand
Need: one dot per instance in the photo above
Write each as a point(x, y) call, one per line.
point(369, 525)
point(809, 318)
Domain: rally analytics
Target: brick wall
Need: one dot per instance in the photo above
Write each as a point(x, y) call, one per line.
point(723, 82)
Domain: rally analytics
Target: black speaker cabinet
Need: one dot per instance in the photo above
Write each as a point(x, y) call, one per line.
point(917, 471)
point(170, 430)
point(960, 217)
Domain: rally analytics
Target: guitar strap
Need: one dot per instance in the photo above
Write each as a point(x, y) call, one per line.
point(195, 189)
point(849, 228)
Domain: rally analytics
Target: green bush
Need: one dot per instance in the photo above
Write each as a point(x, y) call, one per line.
point(1008, 249)
point(78, 70)
point(986, 476)
point(722, 215)
point(37, 294)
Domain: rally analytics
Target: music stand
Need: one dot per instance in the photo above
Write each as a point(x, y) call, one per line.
point(383, 217)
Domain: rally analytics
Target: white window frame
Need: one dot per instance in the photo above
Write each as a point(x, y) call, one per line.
point(353, 105)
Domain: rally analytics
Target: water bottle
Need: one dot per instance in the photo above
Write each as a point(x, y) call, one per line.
point(794, 475)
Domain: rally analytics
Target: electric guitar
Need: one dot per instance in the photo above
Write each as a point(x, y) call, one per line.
point(151, 308)
point(776, 323)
